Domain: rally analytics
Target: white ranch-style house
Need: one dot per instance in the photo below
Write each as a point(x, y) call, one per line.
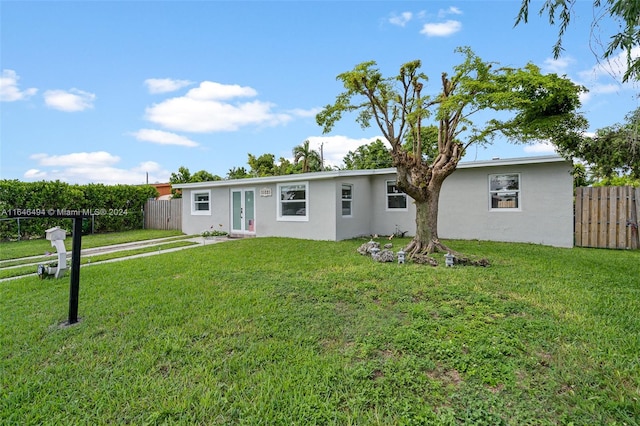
point(513, 200)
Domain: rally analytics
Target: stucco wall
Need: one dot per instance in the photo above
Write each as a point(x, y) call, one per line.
point(359, 223)
point(386, 221)
point(545, 215)
point(321, 204)
point(196, 224)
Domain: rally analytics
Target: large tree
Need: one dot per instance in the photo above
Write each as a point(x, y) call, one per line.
point(523, 105)
point(613, 150)
point(625, 13)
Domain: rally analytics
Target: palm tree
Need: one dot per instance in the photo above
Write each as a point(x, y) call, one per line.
point(310, 158)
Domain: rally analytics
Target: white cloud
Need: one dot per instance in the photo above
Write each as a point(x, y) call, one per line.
point(94, 167)
point(452, 10)
point(165, 85)
point(163, 138)
point(542, 147)
point(336, 147)
point(9, 90)
point(298, 112)
point(35, 174)
point(441, 29)
point(69, 101)
point(210, 90)
point(402, 19)
point(557, 66)
point(202, 110)
point(76, 159)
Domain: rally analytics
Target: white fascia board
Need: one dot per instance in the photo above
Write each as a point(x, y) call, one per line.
point(513, 161)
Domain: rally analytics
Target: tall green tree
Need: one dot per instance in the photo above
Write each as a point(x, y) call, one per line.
point(614, 150)
point(371, 156)
point(625, 13)
point(532, 106)
point(307, 157)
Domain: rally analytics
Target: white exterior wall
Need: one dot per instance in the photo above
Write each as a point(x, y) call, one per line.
point(545, 215)
point(359, 223)
point(219, 215)
point(321, 204)
point(385, 221)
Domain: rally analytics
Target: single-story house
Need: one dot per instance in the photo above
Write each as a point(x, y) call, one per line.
point(512, 200)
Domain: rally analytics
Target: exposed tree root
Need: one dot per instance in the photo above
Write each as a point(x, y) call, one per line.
point(421, 253)
point(417, 247)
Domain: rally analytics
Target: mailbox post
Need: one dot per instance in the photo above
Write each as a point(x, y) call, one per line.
point(74, 287)
point(57, 237)
point(76, 247)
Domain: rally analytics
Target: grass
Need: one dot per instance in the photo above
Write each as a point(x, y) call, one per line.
point(252, 332)
point(18, 249)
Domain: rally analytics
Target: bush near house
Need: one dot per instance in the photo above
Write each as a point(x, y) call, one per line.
point(114, 207)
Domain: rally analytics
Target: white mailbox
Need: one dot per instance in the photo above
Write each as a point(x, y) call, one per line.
point(56, 235)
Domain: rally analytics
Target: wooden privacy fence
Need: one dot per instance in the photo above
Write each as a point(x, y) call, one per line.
point(607, 217)
point(163, 214)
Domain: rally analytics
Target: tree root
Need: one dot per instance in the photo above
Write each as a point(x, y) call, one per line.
point(421, 253)
point(416, 247)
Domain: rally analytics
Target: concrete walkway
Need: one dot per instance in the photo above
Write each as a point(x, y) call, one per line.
point(199, 242)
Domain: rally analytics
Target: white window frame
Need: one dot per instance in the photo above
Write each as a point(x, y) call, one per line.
point(346, 200)
point(397, 193)
point(296, 217)
point(194, 202)
point(505, 192)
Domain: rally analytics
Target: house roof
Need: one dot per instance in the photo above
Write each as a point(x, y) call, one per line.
point(368, 172)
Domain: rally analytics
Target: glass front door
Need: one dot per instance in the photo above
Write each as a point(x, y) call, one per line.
point(243, 211)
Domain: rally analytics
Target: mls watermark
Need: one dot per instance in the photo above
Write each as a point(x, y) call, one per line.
point(54, 212)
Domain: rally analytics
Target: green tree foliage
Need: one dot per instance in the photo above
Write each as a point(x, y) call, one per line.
point(372, 156)
point(183, 175)
point(285, 167)
point(264, 165)
point(581, 176)
point(614, 150)
point(238, 173)
point(624, 13)
point(204, 176)
point(115, 207)
point(624, 180)
point(532, 106)
point(308, 158)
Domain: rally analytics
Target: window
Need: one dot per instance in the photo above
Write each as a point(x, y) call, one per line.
point(504, 191)
point(294, 204)
point(347, 197)
point(396, 199)
point(201, 204)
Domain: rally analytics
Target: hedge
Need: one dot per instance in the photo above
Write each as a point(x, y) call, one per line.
point(114, 207)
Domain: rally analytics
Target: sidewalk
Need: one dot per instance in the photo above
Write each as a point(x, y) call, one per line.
point(199, 242)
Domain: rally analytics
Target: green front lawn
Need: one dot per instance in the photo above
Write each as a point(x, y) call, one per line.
point(284, 331)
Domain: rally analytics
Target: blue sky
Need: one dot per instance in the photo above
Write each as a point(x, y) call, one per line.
point(113, 91)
